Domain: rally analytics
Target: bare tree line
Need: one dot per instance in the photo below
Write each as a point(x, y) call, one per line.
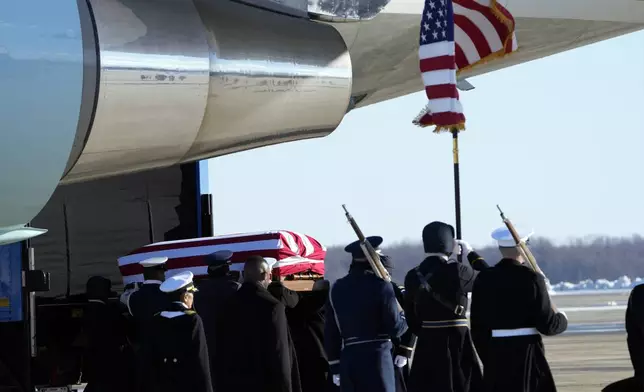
point(588, 258)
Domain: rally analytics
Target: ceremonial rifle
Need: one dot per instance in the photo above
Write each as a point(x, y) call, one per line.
point(523, 248)
point(370, 253)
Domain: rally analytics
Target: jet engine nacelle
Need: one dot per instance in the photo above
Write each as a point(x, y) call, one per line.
point(105, 87)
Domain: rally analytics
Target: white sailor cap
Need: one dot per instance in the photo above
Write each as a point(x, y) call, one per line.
point(178, 282)
point(271, 262)
point(504, 238)
point(153, 262)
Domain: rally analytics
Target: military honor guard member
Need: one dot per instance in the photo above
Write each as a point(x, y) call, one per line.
point(306, 322)
point(143, 303)
point(362, 318)
point(214, 293)
point(176, 359)
point(148, 300)
point(403, 347)
point(435, 304)
point(510, 310)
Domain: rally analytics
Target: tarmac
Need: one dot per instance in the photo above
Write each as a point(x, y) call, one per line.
point(593, 352)
point(588, 362)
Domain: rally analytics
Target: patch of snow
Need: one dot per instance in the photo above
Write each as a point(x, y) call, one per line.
point(621, 283)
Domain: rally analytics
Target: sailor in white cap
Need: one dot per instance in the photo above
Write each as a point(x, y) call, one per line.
point(510, 310)
point(176, 358)
point(148, 300)
point(144, 302)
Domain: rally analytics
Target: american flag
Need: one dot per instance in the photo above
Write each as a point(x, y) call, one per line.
point(456, 35)
point(294, 253)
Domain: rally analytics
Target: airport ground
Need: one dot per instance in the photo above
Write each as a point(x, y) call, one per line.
point(587, 362)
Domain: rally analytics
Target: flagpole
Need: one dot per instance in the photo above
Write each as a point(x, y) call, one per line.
point(457, 184)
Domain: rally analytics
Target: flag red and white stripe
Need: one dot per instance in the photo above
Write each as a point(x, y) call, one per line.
point(484, 30)
point(456, 35)
point(294, 253)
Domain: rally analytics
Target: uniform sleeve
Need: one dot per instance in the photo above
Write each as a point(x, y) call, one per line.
point(635, 329)
point(409, 302)
point(392, 320)
point(279, 352)
point(548, 322)
point(476, 261)
point(286, 296)
point(332, 337)
point(125, 299)
point(480, 332)
point(200, 352)
point(407, 341)
point(469, 271)
point(312, 302)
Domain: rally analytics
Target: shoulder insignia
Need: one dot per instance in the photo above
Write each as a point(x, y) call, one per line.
point(190, 312)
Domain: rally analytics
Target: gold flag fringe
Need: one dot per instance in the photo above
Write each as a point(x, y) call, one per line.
point(439, 128)
point(510, 24)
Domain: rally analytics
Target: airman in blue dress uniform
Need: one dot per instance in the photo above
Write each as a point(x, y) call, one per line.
point(403, 347)
point(362, 318)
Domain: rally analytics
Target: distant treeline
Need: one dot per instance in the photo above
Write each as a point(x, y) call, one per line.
point(580, 259)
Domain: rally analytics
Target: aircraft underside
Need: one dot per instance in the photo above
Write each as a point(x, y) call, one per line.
point(97, 88)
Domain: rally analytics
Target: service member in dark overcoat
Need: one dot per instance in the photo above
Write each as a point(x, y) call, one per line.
point(403, 347)
point(253, 337)
point(510, 310)
point(104, 330)
point(143, 302)
point(176, 353)
point(305, 315)
point(362, 318)
point(435, 303)
point(214, 293)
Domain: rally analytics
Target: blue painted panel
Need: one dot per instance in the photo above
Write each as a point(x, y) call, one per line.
point(11, 282)
point(41, 76)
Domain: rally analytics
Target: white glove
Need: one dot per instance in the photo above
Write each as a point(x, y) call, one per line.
point(465, 248)
point(336, 379)
point(400, 361)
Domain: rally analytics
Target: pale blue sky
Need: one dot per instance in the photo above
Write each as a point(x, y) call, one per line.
point(557, 142)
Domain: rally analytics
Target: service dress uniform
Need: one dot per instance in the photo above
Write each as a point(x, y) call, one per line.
point(210, 301)
point(176, 357)
point(510, 310)
point(362, 318)
point(435, 303)
point(403, 347)
point(142, 304)
point(306, 322)
point(147, 300)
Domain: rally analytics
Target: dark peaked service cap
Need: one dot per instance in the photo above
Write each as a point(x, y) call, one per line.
point(355, 249)
point(219, 258)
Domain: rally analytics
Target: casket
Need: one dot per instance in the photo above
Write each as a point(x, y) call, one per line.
point(293, 252)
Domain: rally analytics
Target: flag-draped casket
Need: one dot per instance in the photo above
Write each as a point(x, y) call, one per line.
point(295, 253)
